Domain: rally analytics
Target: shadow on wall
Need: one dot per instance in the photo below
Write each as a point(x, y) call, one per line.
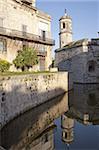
point(82, 68)
point(20, 132)
point(20, 100)
point(65, 65)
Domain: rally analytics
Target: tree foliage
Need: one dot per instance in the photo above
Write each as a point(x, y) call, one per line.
point(26, 59)
point(4, 65)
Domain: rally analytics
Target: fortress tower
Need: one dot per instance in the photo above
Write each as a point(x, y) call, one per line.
point(65, 35)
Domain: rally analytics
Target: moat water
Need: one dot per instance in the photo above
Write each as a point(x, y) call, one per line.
point(68, 122)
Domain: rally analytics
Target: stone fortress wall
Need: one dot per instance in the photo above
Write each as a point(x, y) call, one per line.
point(81, 60)
point(21, 93)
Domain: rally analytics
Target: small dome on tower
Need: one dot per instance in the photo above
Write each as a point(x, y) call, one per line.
point(66, 16)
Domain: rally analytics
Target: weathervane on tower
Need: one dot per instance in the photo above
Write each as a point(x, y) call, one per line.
point(65, 12)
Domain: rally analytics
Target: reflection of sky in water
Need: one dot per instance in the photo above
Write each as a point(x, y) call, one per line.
point(84, 109)
point(58, 136)
point(85, 137)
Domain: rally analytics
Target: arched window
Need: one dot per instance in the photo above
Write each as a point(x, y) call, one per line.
point(91, 66)
point(66, 135)
point(63, 25)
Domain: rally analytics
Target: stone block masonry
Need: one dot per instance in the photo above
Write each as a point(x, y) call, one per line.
point(23, 92)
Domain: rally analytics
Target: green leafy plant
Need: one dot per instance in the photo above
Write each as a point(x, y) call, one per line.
point(4, 65)
point(26, 59)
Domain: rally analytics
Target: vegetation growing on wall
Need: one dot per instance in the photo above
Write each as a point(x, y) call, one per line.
point(26, 59)
point(4, 65)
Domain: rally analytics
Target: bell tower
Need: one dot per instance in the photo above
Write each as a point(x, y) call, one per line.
point(65, 25)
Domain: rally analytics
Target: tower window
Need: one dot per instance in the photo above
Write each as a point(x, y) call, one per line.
point(63, 25)
point(65, 134)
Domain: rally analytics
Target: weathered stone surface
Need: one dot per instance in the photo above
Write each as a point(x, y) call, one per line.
point(21, 93)
point(76, 59)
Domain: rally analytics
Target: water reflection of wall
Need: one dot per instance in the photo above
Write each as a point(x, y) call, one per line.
point(84, 103)
point(34, 128)
point(83, 106)
point(18, 94)
point(44, 141)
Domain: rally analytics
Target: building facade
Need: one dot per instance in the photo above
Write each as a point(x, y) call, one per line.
point(23, 25)
point(80, 58)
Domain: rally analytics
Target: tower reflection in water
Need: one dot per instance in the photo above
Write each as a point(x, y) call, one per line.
point(83, 107)
point(39, 129)
point(67, 125)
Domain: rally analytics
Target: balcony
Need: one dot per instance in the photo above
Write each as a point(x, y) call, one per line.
point(25, 36)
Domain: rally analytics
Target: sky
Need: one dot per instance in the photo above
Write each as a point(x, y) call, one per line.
point(84, 13)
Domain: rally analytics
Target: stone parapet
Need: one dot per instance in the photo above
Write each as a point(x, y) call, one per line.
point(21, 93)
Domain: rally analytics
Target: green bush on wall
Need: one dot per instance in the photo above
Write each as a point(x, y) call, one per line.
point(4, 65)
